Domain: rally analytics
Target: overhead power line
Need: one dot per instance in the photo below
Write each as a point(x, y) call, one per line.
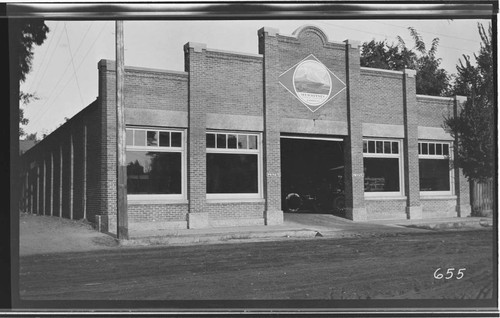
point(73, 63)
point(386, 36)
point(44, 110)
point(429, 32)
point(50, 59)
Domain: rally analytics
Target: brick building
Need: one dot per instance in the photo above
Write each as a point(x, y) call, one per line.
point(238, 139)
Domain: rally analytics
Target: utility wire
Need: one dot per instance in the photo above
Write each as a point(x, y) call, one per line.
point(67, 82)
point(429, 32)
point(43, 58)
point(50, 59)
point(386, 36)
point(42, 108)
point(73, 63)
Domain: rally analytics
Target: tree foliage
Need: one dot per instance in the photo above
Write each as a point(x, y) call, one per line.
point(430, 79)
point(26, 33)
point(475, 123)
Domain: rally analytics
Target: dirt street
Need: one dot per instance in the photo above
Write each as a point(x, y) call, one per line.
point(379, 267)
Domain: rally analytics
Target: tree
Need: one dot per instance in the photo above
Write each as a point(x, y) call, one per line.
point(430, 79)
point(33, 137)
point(25, 34)
point(475, 124)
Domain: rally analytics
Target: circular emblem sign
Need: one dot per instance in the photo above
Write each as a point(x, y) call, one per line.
point(312, 83)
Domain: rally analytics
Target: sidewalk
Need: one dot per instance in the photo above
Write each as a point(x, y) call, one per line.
point(46, 234)
point(298, 226)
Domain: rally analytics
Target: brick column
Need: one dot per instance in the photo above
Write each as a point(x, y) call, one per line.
point(410, 146)
point(462, 187)
point(106, 216)
point(268, 47)
point(353, 144)
point(199, 83)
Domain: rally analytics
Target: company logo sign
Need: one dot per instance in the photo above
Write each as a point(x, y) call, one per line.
point(312, 83)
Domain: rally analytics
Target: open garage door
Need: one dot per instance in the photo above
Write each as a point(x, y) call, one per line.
point(312, 173)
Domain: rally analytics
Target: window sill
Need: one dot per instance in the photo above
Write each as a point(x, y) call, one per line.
point(236, 200)
point(385, 198)
point(156, 201)
point(437, 197)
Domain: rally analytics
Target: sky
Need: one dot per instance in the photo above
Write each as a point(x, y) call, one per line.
point(64, 75)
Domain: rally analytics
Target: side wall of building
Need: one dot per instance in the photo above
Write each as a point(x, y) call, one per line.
point(59, 176)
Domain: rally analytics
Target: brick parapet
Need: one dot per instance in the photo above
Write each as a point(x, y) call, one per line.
point(295, 48)
point(433, 109)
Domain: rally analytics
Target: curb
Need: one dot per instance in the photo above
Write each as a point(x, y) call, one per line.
point(452, 225)
point(215, 237)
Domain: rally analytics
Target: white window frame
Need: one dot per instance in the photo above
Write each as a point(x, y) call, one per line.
point(399, 156)
point(449, 157)
point(161, 198)
point(258, 152)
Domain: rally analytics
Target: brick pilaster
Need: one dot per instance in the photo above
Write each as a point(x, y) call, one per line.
point(268, 47)
point(353, 149)
point(196, 66)
point(462, 187)
point(410, 146)
point(107, 158)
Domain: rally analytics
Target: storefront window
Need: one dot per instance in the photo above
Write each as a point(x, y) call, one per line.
point(151, 172)
point(232, 173)
point(434, 168)
point(382, 167)
point(233, 166)
point(381, 174)
point(154, 164)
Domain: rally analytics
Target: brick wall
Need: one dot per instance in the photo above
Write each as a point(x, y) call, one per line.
point(432, 109)
point(385, 209)
point(381, 94)
point(235, 84)
point(435, 208)
point(220, 211)
point(147, 88)
point(157, 212)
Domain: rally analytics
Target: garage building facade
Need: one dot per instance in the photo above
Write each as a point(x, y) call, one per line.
point(225, 142)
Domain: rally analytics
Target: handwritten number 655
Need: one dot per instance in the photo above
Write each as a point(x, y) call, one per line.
point(449, 273)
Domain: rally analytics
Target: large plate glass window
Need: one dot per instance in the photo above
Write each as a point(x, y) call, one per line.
point(382, 167)
point(233, 165)
point(155, 163)
point(434, 167)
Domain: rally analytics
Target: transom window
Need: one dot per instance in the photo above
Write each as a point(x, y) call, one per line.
point(234, 168)
point(435, 172)
point(381, 146)
point(155, 164)
point(433, 149)
point(154, 138)
point(382, 166)
point(232, 141)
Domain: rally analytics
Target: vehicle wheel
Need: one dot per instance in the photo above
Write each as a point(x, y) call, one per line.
point(293, 202)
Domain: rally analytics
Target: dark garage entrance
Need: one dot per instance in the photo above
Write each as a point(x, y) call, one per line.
point(312, 172)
